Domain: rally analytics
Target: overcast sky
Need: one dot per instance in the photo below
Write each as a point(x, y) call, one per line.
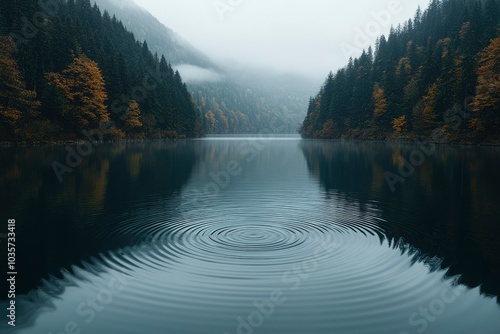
point(306, 36)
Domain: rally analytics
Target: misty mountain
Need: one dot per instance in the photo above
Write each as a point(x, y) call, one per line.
point(253, 101)
point(160, 39)
point(231, 100)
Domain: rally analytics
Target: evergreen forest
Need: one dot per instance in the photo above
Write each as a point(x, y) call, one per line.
point(435, 78)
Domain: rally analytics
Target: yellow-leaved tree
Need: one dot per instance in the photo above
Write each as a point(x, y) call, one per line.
point(17, 104)
point(487, 101)
point(133, 122)
point(380, 101)
point(83, 88)
point(211, 122)
point(428, 113)
point(398, 124)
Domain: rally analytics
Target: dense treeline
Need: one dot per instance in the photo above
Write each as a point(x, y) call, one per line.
point(67, 70)
point(436, 78)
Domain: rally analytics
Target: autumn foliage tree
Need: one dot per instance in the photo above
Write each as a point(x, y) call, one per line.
point(133, 122)
point(329, 129)
point(398, 124)
point(83, 88)
point(17, 104)
point(487, 100)
point(379, 100)
point(429, 111)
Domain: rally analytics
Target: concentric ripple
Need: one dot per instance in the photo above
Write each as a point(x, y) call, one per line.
point(236, 244)
point(201, 271)
point(204, 268)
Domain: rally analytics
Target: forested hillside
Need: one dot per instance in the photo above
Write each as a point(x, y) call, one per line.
point(146, 27)
point(68, 70)
point(234, 103)
point(242, 103)
point(435, 78)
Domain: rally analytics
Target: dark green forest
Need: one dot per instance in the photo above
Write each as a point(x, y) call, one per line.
point(68, 69)
point(434, 78)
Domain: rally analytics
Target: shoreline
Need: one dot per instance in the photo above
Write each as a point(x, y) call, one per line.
point(78, 142)
point(337, 140)
point(406, 142)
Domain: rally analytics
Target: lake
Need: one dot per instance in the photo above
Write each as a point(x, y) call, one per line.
point(255, 235)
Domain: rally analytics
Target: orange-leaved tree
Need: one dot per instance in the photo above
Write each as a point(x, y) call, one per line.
point(487, 101)
point(83, 88)
point(398, 124)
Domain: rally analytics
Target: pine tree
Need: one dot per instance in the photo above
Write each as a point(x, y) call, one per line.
point(3, 21)
point(466, 61)
point(83, 88)
point(492, 12)
point(17, 104)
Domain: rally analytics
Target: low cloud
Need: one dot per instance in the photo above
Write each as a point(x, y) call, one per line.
point(196, 74)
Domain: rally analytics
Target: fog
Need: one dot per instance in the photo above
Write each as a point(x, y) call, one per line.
point(196, 74)
point(308, 37)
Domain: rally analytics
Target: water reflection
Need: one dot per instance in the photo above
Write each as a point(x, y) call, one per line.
point(102, 205)
point(314, 221)
point(447, 209)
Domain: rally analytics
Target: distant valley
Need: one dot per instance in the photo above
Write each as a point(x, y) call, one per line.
point(231, 99)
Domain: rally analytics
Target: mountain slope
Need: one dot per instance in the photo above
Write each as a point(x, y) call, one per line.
point(160, 39)
point(230, 101)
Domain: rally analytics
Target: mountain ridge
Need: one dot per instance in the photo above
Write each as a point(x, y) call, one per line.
point(160, 38)
point(230, 100)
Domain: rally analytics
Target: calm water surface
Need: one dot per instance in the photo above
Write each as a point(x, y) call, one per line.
point(251, 236)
